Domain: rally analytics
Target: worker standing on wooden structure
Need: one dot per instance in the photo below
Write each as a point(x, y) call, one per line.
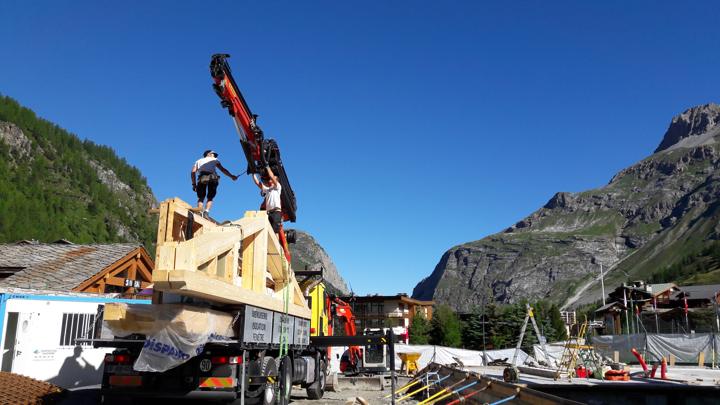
point(270, 189)
point(207, 179)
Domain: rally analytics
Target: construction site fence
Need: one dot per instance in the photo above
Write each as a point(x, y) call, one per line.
point(694, 348)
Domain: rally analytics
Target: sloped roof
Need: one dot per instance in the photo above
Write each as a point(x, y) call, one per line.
point(660, 288)
point(58, 267)
point(698, 292)
point(610, 305)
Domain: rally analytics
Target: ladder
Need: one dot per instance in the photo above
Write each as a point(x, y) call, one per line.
point(510, 374)
point(570, 354)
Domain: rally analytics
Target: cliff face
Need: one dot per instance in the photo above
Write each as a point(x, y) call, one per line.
point(308, 254)
point(647, 216)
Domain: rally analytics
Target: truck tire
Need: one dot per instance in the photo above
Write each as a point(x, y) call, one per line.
point(285, 381)
point(265, 394)
point(317, 388)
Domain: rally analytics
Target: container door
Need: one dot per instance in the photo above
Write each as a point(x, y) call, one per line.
point(23, 342)
point(9, 345)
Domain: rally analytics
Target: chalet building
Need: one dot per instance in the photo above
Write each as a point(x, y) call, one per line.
point(638, 294)
point(50, 297)
point(698, 296)
point(122, 268)
point(380, 311)
point(659, 308)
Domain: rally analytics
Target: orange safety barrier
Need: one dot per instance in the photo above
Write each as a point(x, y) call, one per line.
point(617, 375)
point(217, 382)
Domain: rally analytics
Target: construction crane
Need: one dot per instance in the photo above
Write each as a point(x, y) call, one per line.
point(259, 152)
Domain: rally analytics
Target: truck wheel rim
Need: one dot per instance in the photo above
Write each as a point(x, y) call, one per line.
point(269, 394)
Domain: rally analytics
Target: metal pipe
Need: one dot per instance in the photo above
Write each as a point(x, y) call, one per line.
point(455, 391)
point(466, 396)
point(502, 401)
point(242, 376)
point(403, 388)
point(442, 391)
point(404, 397)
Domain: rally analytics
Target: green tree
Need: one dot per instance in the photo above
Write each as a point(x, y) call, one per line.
point(50, 188)
point(446, 328)
point(419, 330)
point(558, 324)
point(472, 331)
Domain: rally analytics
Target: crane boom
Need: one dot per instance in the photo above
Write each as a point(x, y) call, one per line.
point(259, 152)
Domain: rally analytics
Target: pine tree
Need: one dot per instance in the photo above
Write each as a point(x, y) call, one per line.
point(419, 330)
point(446, 327)
point(558, 324)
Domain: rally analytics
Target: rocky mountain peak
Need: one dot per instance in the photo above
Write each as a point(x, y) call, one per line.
point(694, 122)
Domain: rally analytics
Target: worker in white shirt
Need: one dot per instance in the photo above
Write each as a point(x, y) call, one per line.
point(207, 179)
point(270, 189)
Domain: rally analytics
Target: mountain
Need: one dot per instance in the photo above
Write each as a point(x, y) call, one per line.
point(307, 254)
point(651, 215)
point(56, 186)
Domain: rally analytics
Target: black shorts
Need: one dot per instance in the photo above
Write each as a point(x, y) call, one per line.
point(275, 218)
point(209, 189)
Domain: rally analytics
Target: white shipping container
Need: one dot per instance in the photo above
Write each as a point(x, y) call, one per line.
point(39, 332)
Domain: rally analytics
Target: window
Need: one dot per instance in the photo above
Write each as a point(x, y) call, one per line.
point(376, 308)
point(77, 326)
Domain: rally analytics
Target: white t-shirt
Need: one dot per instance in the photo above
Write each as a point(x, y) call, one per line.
point(207, 164)
point(272, 196)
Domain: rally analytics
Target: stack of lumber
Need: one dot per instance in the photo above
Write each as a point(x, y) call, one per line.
point(237, 263)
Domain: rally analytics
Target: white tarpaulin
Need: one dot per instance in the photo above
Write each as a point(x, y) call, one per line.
point(174, 333)
point(685, 348)
point(554, 351)
point(463, 357)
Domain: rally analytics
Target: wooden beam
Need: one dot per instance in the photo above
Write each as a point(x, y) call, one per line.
point(226, 264)
point(192, 284)
point(190, 319)
point(115, 267)
point(248, 256)
point(259, 262)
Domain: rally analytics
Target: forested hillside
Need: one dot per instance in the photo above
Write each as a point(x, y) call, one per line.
point(55, 186)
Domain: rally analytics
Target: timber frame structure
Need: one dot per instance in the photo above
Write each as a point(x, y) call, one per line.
point(132, 273)
point(238, 262)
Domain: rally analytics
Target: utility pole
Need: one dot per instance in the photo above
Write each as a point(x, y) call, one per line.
point(484, 300)
point(602, 284)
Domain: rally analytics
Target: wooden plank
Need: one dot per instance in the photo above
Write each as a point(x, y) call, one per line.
point(259, 262)
point(211, 244)
point(162, 223)
point(132, 271)
point(165, 257)
point(138, 318)
point(247, 261)
point(194, 284)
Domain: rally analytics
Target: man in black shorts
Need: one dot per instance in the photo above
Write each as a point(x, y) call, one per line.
point(207, 179)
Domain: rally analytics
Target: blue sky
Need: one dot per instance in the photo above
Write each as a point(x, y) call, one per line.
point(406, 127)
